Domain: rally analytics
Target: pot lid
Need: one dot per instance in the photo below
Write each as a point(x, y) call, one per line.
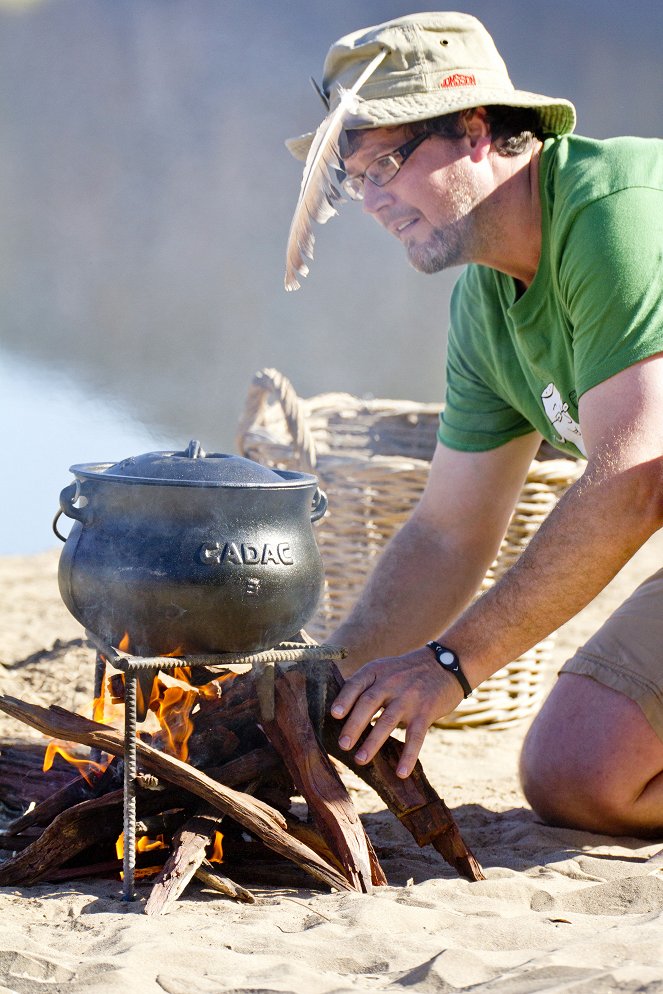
point(195, 466)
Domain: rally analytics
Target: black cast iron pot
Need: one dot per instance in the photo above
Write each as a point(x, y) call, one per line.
point(188, 552)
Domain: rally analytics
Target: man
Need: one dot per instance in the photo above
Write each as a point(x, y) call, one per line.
point(556, 332)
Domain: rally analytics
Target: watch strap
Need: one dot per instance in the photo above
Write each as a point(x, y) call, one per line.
point(449, 661)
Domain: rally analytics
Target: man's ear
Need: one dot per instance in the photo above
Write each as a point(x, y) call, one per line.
point(477, 130)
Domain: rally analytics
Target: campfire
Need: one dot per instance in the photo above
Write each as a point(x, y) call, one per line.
point(207, 776)
point(253, 743)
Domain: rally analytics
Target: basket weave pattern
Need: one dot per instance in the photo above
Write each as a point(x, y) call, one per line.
point(372, 459)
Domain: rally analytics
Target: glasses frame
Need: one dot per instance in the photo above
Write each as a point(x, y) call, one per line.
point(354, 185)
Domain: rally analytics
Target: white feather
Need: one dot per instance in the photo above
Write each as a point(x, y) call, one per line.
point(318, 195)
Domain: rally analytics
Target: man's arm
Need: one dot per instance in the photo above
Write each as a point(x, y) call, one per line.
point(594, 530)
point(434, 566)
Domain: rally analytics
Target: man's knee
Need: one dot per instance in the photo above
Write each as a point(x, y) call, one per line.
point(588, 758)
point(558, 783)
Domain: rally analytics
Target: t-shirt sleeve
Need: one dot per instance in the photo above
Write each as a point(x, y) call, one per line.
point(475, 418)
point(611, 279)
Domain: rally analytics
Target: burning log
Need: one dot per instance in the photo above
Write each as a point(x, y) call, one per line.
point(22, 780)
point(79, 789)
point(240, 740)
point(190, 846)
point(67, 835)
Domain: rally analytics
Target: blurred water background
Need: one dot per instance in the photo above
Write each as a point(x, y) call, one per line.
point(145, 198)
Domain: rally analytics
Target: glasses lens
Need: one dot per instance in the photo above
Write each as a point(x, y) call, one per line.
point(382, 170)
point(354, 187)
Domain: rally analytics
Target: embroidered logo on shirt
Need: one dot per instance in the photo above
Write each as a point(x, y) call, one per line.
point(558, 414)
point(458, 79)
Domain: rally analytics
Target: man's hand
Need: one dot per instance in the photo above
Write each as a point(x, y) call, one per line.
point(413, 690)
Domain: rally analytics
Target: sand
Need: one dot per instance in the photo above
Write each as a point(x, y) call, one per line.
point(560, 911)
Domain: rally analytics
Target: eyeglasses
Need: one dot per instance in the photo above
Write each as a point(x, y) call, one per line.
point(383, 169)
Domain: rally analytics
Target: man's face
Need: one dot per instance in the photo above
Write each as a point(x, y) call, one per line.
point(430, 204)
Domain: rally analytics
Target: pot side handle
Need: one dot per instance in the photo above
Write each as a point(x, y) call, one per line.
point(68, 498)
point(320, 503)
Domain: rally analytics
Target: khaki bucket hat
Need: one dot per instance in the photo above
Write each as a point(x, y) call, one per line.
point(435, 63)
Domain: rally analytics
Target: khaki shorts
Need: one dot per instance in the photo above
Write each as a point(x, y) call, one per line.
point(626, 653)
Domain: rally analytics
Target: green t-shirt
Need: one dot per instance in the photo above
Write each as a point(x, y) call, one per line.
point(595, 305)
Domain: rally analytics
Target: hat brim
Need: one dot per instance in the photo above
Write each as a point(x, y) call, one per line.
point(557, 114)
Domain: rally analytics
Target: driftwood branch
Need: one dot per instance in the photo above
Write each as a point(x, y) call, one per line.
point(87, 824)
point(414, 801)
point(190, 845)
point(224, 885)
point(66, 797)
point(291, 733)
point(70, 833)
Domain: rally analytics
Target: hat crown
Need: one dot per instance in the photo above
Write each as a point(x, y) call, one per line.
point(425, 52)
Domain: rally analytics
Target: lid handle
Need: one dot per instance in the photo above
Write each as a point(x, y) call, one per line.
point(195, 450)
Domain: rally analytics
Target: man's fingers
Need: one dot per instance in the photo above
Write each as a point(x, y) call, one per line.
point(409, 690)
point(352, 689)
point(366, 707)
point(381, 731)
point(414, 739)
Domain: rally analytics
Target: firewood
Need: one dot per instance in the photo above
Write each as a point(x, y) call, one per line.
point(269, 872)
point(224, 885)
point(413, 800)
point(66, 797)
point(164, 823)
point(98, 820)
point(229, 749)
point(77, 838)
point(420, 810)
point(88, 824)
point(310, 835)
point(22, 778)
point(263, 761)
point(14, 843)
point(291, 733)
point(214, 745)
point(189, 848)
point(255, 816)
point(107, 868)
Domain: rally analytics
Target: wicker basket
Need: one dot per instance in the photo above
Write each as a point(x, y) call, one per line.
point(372, 458)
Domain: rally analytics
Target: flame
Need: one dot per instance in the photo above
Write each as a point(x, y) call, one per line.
point(88, 769)
point(172, 700)
point(124, 645)
point(217, 851)
point(172, 706)
point(98, 704)
point(143, 844)
point(213, 689)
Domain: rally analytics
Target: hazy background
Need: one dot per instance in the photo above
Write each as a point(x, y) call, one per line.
point(145, 199)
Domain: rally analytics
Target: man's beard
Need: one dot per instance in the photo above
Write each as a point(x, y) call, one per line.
point(446, 247)
point(457, 242)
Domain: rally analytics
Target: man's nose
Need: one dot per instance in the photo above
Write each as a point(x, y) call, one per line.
point(375, 198)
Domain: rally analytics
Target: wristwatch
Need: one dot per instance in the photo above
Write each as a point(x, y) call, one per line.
point(449, 661)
